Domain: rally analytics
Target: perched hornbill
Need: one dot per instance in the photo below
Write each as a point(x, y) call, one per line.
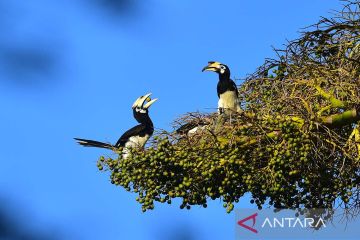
point(193, 127)
point(134, 137)
point(226, 88)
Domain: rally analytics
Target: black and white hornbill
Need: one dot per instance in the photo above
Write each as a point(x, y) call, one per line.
point(226, 88)
point(193, 127)
point(135, 137)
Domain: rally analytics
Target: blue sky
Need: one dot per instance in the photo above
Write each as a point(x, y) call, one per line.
point(73, 68)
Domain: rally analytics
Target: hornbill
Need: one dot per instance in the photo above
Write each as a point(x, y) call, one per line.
point(134, 137)
point(226, 88)
point(192, 127)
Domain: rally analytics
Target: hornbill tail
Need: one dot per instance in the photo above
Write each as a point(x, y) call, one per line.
point(92, 143)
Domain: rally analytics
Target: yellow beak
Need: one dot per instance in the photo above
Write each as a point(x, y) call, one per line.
point(147, 105)
point(140, 101)
point(212, 66)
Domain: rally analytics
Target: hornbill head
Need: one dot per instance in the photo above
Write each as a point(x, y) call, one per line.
point(217, 67)
point(141, 106)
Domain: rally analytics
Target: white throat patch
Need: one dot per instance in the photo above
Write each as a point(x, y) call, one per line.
point(140, 110)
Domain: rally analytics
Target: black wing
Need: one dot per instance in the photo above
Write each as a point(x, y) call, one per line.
point(134, 131)
point(226, 86)
point(235, 87)
point(184, 129)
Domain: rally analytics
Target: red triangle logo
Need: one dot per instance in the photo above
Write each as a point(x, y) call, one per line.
point(253, 217)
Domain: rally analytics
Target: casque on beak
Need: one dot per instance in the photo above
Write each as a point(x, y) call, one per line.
point(140, 101)
point(212, 66)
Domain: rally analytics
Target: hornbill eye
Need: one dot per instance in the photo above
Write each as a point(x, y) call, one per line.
point(223, 69)
point(140, 110)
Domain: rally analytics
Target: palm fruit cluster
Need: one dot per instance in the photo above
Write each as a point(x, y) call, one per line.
point(296, 145)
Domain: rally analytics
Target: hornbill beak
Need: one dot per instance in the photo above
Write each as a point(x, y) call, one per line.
point(149, 103)
point(141, 100)
point(212, 66)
